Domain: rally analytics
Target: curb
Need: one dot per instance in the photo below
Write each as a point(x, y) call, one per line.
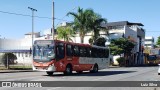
point(15, 71)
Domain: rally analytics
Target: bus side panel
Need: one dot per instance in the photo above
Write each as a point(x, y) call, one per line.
point(88, 63)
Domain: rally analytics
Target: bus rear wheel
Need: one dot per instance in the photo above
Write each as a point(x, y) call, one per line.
point(68, 70)
point(95, 69)
point(79, 71)
point(49, 73)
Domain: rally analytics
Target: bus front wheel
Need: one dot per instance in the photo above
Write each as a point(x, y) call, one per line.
point(49, 73)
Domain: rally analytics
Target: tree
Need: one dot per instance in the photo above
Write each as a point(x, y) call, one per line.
point(100, 41)
point(95, 23)
point(81, 21)
point(120, 46)
point(158, 41)
point(147, 50)
point(65, 32)
point(8, 58)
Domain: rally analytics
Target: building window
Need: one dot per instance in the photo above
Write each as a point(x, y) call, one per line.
point(22, 54)
point(26, 54)
point(18, 54)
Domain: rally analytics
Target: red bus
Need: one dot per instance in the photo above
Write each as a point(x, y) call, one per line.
point(60, 56)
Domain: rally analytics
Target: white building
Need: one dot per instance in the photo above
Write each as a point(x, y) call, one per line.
point(132, 31)
point(149, 42)
point(22, 47)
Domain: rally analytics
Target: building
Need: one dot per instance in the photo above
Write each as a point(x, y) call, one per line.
point(132, 31)
point(22, 47)
point(149, 42)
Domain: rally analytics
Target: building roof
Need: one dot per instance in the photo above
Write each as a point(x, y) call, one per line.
point(122, 23)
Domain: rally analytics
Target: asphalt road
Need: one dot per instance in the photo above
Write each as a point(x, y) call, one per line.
point(111, 74)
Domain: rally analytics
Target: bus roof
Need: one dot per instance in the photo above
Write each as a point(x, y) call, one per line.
point(80, 44)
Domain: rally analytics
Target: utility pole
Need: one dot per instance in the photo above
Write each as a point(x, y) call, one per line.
point(53, 20)
point(7, 62)
point(32, 9)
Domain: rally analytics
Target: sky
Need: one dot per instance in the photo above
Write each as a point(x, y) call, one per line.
point(12, 26)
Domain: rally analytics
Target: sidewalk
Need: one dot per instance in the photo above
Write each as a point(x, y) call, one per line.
point(15, 71)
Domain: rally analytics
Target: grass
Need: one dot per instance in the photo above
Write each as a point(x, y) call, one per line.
point(3, 68)
point(20, 67)
point(16, 67)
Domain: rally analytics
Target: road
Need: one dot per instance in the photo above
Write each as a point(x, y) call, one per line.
point(111, 74)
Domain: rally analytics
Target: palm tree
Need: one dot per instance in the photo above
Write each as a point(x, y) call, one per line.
point(95, 25)
point(81, 21)
point(65, 32)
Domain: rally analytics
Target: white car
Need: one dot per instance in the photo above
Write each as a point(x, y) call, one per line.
point(159, 69)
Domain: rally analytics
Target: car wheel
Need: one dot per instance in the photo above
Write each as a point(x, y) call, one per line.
point(49, 73)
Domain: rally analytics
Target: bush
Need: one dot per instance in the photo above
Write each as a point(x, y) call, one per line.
point(121, 61)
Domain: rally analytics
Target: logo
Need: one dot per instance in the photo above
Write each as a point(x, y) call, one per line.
point(6, 84)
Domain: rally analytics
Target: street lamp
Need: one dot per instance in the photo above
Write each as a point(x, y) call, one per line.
point(32, 9)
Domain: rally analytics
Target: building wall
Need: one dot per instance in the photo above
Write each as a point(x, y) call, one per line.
point(18, 45)
point(149, 42)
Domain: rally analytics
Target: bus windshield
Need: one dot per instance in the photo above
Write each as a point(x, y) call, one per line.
point(43, 53)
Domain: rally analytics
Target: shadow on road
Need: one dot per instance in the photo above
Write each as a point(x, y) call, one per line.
point(100, 73)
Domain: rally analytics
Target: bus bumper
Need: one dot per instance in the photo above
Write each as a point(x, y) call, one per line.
point(49, 68)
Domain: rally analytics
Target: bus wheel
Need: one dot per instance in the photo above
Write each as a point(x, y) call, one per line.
point(49, 73)
point(68, 70)
point(95, 69)
point(79, 71)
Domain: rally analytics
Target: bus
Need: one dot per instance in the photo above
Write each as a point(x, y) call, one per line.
point(153, 59)
point(61, 56)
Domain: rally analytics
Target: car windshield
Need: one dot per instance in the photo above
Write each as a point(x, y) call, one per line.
point(43, 52)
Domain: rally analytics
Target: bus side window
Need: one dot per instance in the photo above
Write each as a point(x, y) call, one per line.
point(85, 52)
point(93, 52)
point(88, 52)
point(106, 53)
point(101, 53)
point(69, 50)
point(60, 51)
point(76, 50)
point(81, 52)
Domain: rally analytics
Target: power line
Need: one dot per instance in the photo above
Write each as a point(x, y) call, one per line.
point(30, 15)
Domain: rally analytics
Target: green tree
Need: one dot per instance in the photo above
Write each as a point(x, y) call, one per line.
point(65, 33)
point(120, 46)
point(158, 41)
point(82, 21)
point(100, 41)
point(95, 23)
point(8, 58)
